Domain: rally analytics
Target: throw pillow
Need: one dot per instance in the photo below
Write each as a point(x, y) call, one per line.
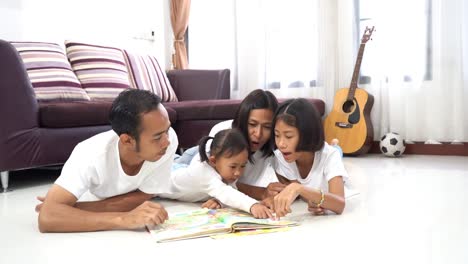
point(50, 72)
point(101, 70)
point(147, 74)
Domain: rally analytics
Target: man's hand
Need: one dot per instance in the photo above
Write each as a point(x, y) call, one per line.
point(273, 189)
point(211, 204)
point(260, 211)
point(148, 213)
point(39, 205)
point(282, 201)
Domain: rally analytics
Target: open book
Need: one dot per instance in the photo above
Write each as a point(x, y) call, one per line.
point(206, 222)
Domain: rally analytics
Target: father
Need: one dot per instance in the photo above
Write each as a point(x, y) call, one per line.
point(124, 168)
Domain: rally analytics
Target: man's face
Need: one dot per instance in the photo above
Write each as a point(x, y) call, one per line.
point(154, 134)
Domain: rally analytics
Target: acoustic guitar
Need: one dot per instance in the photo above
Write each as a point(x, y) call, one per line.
point(349, 120)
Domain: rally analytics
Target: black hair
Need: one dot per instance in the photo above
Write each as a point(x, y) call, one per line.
point(228, 142)
point(127, 109)
point(303, 115)
point(257, 99)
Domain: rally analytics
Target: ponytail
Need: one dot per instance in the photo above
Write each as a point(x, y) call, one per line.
point(202, 147)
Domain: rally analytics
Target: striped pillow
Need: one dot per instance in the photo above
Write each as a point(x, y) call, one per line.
point(101, 70)
point(146, 74)
point(50, 73)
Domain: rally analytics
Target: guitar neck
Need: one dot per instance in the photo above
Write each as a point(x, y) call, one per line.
point(357, 68)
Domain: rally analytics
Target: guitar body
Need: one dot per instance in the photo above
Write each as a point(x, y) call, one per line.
point(349, 121)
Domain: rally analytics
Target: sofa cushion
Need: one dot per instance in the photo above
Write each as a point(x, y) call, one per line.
point(50, 72)
point(78, 114)
point(147, 74)
point(101, 70)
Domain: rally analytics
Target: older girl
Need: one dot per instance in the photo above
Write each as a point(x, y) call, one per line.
point(304, 162)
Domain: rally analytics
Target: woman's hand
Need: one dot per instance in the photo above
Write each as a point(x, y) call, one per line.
point(211, 204)
point(260, 211)
point(273, 189)
point(268, 202)
point(282, 202)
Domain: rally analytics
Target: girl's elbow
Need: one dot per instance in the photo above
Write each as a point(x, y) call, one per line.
point(341, 207)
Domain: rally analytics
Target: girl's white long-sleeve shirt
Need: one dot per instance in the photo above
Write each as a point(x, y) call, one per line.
point(200, 182)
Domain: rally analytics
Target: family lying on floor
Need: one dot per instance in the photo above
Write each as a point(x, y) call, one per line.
point(126, 167)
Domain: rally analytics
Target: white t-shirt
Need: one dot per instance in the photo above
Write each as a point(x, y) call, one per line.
point(94, 166)
point(259, 173)
point(327, 165)
point(200, 182)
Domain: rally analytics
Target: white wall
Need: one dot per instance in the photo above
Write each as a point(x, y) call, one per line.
point(117, 23)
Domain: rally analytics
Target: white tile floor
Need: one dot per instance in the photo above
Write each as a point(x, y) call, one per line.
point(410, 210)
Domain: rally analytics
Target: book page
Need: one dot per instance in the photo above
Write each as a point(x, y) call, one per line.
point(206, 222)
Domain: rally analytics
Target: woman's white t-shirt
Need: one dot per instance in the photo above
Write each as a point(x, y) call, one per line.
point(327, 165)
point(257, 173)
point(200, 182)
point(94, 166)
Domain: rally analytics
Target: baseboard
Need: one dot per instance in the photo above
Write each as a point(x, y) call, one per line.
point(445, 148)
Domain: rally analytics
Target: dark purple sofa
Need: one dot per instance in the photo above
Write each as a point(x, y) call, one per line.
point(35, 134)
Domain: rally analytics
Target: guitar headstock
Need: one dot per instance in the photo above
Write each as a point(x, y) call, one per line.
point(367, 34)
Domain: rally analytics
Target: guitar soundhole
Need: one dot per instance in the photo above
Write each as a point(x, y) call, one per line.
point(348, 106)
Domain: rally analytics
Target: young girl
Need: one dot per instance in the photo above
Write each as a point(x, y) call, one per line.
point(304, 162)
point(214, 175)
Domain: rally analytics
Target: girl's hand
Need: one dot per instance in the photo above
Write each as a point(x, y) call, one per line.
point(211, 204)
point(282, 201)
point(261, 211)
point(316, 210)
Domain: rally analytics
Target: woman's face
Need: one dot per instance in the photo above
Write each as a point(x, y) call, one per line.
point(286, 139)
point(259, 128)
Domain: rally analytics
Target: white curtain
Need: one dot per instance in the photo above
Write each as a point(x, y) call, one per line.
point(413, 66)
point(291, 47)
point(415, 63)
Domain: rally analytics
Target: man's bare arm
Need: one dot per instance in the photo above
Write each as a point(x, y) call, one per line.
point(59, 214)
point(121, 203)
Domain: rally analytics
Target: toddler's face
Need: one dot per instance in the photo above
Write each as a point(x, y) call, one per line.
point(231, 168)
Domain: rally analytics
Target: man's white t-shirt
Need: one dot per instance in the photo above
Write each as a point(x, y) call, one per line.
point(327, 165)
point(257, 173)
point(94, 166)
point(200, 182)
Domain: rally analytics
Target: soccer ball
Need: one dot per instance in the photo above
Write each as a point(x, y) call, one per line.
point(392, 145)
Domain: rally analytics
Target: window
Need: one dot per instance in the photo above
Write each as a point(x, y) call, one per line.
point(403, 32)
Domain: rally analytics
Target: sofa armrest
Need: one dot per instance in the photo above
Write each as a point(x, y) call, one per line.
point(200, 84)
point(18, 104)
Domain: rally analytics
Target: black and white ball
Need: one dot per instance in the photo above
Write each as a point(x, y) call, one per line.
point(392, 145)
